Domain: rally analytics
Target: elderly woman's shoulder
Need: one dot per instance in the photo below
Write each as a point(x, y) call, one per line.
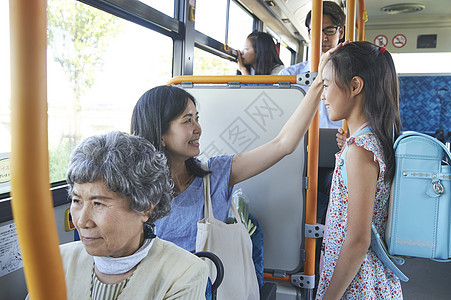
point(73, 250)
point(74, 255)
point(76, 246)
point(167, 250)
point(170, 253)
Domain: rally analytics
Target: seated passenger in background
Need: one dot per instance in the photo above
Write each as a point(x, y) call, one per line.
point(259, 56)
point(119, 186)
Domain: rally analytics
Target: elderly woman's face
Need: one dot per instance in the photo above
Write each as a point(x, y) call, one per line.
point(106, 223)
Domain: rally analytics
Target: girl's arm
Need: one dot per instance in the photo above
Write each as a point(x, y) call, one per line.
point(248, 164)
point(362, 173)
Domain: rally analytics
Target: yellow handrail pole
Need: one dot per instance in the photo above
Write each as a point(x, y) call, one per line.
point(363, 17)
point(32, 202)
point(350, 34)
point(313, 142)
point(249, 79)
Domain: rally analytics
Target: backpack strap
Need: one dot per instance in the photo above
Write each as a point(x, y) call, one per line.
point(342, 161)
point(377, 243)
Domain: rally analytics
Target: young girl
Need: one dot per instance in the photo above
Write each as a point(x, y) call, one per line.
point(361, 86)
point(259, 56)
point(167, 117)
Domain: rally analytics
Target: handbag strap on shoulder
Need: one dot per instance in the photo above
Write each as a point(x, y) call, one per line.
point(208, 209)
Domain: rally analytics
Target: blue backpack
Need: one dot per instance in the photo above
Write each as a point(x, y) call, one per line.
point(419, 223)
point(419, 217)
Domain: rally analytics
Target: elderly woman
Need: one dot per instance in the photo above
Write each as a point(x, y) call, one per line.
point(119, 186)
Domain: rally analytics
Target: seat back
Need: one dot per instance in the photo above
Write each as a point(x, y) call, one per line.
point(235, 120)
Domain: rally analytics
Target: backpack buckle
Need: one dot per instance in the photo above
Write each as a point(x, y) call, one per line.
point(438, 187)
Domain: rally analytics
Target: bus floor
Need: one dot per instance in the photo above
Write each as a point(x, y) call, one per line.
point(427, 279)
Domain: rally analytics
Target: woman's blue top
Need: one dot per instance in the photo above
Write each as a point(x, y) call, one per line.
point(180, 226)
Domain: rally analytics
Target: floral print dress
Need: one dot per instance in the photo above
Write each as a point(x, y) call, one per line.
point(373, 280)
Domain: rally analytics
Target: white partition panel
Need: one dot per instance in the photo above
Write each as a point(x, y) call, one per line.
point(235, 120)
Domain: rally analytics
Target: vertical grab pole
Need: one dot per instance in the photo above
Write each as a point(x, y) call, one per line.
point(313, 142)
point(32, 202)
point(362, 18)
point(350, 20)
point(350, 34)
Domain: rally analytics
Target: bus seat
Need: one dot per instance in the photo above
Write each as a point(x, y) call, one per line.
point(257, 249)
point(267, 289)
point(327, 147)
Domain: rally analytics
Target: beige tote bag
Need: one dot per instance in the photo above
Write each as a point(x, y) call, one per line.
point(233, 245)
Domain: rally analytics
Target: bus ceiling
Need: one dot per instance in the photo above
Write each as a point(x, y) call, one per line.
point(404, 26)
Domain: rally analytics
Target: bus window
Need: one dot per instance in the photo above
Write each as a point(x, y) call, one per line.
point(425, 63)
point(211, 24)
point(240, 26)
point(285, 55)
point(5, 83)
point(209, 64)
point(94, 80)
point(166, 6)
point(5, 97)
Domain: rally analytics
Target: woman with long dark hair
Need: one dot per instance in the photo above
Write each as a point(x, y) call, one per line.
point(259, 56)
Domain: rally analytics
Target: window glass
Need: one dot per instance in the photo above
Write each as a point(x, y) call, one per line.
point(285, 55)
point(98, 66)
point(94, 82)
point(166, 6)
point(206, 63)
point(211, 18)
point(240, 26)
point(5, 96)
point(5, 83)
point(436, 62)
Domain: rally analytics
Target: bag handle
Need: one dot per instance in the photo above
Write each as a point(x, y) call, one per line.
point(208, 208)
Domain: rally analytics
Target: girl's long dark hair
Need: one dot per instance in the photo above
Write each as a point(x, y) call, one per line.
point(266, 55)
point(381, 91)
point(153, 114)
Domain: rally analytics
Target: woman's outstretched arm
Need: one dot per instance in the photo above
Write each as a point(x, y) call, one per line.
point(248, 164)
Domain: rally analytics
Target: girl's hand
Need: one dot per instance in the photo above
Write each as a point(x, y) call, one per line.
point(241, 66)
point(341, 138)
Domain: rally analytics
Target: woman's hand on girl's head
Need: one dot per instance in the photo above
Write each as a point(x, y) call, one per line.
point(325, 58)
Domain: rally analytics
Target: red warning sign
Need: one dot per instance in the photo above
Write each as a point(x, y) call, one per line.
point(399, 40)
point(381, 40)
